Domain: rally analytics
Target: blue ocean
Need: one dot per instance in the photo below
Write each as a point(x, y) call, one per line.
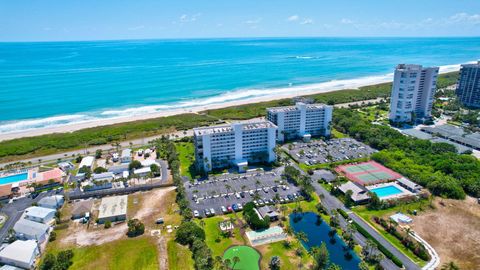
point(47, 84)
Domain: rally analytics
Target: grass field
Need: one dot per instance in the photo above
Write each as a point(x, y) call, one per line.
point(368, 215)
point(186, 155)
point(214, 238)
point(136, 253)
point(249, 258)
point(179, 257)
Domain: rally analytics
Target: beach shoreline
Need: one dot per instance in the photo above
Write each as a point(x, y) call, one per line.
point(297, 91)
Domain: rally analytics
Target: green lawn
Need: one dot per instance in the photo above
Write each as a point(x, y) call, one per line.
point(249, 258)
point(337, 134)
point(186, 155)
point(368, 215)
point(214, 238)
point(135, 253)
point(179, 257)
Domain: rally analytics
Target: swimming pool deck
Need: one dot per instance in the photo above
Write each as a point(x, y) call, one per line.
point(404, 192)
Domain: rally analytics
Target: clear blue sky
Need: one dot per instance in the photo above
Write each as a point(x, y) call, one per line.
point(45, 20)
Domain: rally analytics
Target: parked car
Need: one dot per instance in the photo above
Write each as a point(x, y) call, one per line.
point(240, 206)
point(207, 212)
point(196, 214)
point(235, 207)
point(230, 209)
point(212, 211)
point(224, 209)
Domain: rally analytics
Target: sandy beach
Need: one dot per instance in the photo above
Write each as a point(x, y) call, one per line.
point(286, 93)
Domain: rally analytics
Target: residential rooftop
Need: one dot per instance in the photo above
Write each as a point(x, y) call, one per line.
point(113, 206)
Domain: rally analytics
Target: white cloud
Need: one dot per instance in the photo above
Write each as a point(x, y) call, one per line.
point(184, 18)
point(346, 21)
point(464, 18)
point(307, 21)
point(254, 21)
point(293, 18)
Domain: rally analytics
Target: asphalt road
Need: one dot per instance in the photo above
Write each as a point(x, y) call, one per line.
point(15, 209)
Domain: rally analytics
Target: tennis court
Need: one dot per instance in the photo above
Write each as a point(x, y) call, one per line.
point(368, 173)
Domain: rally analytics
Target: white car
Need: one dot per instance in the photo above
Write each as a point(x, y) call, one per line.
point(196, 214)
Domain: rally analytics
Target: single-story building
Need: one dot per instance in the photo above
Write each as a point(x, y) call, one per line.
point(106, 176)
point(119, 169)
point(126, 156)
point(81, 208)
point(66, 166)
point(359, 193)
point(20, 253)
point(406, 183)
point(44, 178)
point(52, 202)
point(267, 211)
point(5, 191)
point(30, 230)
point(87, 162)
point(9, 267)
point(142, 171)
point(113, 209)
point(149, 162)
point(40, 214)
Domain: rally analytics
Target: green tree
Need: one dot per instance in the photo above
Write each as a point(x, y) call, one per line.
point(321, 256)
point(187, 232)
point(135, 164)
point(450, 266)
point(274, 263)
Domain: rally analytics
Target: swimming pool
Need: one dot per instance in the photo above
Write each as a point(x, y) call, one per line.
point(13, 178)
point(386, 191)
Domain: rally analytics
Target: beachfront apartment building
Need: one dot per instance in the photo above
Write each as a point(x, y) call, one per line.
point(237, 144)
point(413, 91)
point(468, 87)
point(301, 120)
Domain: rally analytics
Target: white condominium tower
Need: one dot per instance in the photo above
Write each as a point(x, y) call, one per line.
point(412, 92)
point(238, 144)
point(301, 120)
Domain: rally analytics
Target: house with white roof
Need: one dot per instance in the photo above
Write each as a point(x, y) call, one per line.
point(52, 202)
point(20, 253)
point(40, 214)
point(30, 230)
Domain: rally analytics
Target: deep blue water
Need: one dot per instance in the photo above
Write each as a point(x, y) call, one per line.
point(318, 233)
point(58, 83)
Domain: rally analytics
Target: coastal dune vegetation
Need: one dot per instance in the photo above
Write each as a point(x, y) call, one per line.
point(28, 147)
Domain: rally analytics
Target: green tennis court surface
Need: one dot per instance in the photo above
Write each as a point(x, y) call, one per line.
point(360, 168)
point(249, 258)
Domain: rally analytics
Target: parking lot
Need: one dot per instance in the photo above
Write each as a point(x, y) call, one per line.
point(318, 151)
point(233, 189)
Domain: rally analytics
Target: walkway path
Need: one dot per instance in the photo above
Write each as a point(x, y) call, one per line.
point(435, 261)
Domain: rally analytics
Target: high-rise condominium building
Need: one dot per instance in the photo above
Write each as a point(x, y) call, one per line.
point(237, 144)
point(468, 87)
point(301, 120)
point(413, 91)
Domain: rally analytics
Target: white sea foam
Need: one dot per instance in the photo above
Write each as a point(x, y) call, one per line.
point(231, 96)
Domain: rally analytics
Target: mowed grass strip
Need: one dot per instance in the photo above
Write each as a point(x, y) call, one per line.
point(179, 257)
point(135, 253)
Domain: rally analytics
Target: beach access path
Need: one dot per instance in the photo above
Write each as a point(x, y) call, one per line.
point(46, 159)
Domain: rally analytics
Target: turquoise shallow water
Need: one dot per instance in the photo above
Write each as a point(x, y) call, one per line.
point(13, 178)
point(386, 191)
point(58, 83)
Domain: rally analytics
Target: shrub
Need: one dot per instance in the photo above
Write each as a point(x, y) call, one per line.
point(135, 227)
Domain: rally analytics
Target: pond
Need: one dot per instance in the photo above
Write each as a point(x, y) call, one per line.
point(317, 232)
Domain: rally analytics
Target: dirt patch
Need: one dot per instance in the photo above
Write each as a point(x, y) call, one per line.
point(452, 229)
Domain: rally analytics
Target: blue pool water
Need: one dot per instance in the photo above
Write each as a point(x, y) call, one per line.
point(318, 233)
point(386, 191)
point(45, 84)
point(13, 178)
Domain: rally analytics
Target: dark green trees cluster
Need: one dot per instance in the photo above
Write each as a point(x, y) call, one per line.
point(434, 165)
point(61, 261)
point(304, 182)
point(135, 227)
point(188, 233)
point(252, 218)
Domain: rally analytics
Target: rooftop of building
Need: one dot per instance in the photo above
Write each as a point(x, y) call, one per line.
point(126, 152)
point(412, 67)
point(113, 206)
point(21, 251)
point(55, 199)
point(245, 125)
point(86, 161)
point(40, 212)
point(297, 106)
point(25, 226)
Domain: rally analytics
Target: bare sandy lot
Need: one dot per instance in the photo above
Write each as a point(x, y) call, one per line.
point(453, 230)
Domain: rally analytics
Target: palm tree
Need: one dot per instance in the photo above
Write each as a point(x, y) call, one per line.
point(302, 236)
point(202, 223)
point(284, 209)
point(450, 266)
point(236, 260)
point(227, 262)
